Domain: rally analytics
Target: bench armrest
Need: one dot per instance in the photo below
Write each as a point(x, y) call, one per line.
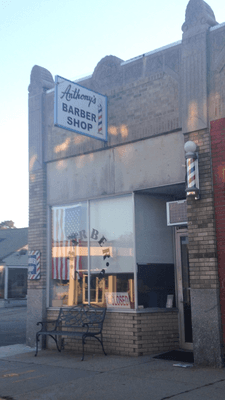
point(45, 322)
point(86, 324)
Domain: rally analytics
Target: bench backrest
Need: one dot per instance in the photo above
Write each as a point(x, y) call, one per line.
point(76, 317)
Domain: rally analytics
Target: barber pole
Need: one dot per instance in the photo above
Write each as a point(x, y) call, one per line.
point(191, 175)
point(192, 188)
point(34, 265)
point(100, 119)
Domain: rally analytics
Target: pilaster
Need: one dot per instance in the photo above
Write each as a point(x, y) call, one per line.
point(41, 80)
point(206, 318)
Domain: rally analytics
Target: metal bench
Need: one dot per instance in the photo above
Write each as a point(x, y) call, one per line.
point(79, 322)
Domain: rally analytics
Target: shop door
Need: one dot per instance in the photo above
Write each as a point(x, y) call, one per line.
point(183, 290)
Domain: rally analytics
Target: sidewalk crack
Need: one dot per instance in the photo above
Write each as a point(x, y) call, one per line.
point(192, 390)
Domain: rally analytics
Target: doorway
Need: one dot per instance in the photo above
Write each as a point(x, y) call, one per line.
point(183, 290)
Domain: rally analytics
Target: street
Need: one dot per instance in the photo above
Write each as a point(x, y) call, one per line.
point(13, 326)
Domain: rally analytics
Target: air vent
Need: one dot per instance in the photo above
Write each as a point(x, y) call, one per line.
point(176, 212)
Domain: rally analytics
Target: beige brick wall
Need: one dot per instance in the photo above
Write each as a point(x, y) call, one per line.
point(37, 234)
point(142, 109)
point(201, 221)
point(130, 334)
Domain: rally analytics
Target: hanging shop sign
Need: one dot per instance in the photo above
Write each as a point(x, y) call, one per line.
point(79, 109)
point(34, 264)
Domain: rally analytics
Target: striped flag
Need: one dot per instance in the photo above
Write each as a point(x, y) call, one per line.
point(65, 227)
point(72, 221)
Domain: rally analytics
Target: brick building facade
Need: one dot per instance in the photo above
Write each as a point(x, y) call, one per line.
point(156, 103)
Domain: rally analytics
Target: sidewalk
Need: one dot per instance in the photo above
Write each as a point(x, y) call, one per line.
point(62, 376)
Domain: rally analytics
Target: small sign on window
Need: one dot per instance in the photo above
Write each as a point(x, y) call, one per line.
point(117, 300)
point(34, 264)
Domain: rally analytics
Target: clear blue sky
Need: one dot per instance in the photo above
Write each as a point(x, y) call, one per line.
point(68, 38)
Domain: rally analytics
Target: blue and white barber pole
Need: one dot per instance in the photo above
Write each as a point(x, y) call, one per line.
point(34, 264)
point(191, 156)
point(100, 119)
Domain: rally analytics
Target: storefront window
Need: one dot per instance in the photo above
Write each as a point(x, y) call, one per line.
point(110, 250)
point(155, 283)
point(69, 255)
point(17, 283)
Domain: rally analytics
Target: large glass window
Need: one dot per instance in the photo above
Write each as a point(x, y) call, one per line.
point(2, 280)
point(106, 260)
point(111, 249)
point(17, 283)
point(69, 254)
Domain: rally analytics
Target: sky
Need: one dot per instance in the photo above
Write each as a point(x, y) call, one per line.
point(68, 38)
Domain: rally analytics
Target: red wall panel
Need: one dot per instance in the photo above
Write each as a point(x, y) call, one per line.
point(218, 165)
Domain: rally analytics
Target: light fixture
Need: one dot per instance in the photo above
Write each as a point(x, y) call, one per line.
point(192, 188)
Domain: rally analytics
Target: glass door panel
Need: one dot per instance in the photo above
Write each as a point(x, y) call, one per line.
point(183, 290)
point(186, 289)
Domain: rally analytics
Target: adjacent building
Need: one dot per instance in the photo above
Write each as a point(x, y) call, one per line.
point(110, 217)
point(13, 267)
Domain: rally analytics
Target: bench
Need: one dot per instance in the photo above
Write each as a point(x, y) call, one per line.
point(80, 322)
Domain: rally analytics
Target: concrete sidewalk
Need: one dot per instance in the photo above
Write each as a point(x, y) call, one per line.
point(62, 376)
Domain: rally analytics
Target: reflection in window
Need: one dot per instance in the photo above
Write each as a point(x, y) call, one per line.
point(2, 279)
point(17, 283)
point(69, 254)
point(155, 283)
point(186, 289)
point(110, 250)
